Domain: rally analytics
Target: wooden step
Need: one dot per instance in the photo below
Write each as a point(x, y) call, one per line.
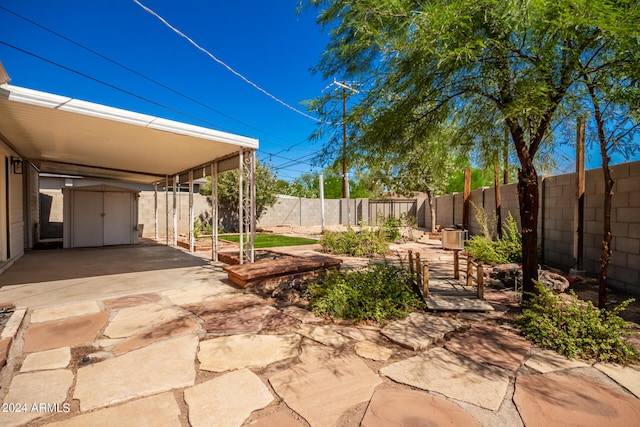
point(267, 271)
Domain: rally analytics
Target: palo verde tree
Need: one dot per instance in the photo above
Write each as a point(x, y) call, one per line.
point(422, 61)
point(610, 75)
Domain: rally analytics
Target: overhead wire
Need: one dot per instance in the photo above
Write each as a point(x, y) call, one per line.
point(234, 72)
point(164, 86)
point(276, 154)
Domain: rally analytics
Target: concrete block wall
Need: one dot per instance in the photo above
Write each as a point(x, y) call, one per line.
point(444, 210)
point(624, 267)
point(558, 194)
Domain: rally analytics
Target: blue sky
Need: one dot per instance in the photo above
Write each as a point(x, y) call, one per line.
point(268, 42)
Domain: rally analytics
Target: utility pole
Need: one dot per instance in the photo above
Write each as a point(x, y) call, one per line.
point(345, 178)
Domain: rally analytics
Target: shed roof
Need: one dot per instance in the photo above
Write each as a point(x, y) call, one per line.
point(63, 135)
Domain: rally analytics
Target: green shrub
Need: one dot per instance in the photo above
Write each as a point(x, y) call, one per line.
point(379, 292)
point(576, 328)
point(365, 243)
point(506, 250)
point(391, 228)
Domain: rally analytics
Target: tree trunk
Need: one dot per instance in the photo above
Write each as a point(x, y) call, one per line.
point(608, 195)
point(528, 196)
point(432, 209)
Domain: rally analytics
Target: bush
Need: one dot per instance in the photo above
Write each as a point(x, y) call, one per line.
point(576, 328)
point(366, 243)
point(506, 250)
point(391, 228)
point(380, 292)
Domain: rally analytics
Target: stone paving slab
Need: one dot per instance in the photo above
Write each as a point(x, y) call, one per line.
point(452, 375)
point(490, 344)
point(73, 332)
point(131, 321)
point(279, 323)
point(227, 400)
point(373, 351)
point(198, 294)
point(247, 321)
point(413, 408)
point(65, 311)
point(245, 351)
point(277, 419)
point(547, 361)
point(10, 329)
point(419, 330)
point(544, 400)
point(30, 390)
point(325, 385)
point(224, 306)
point(131, 300)
point(305, 316)
point(324, 335)
point(155, 411)
point(627, 376)
point(456, 303)
point(58, 358)
point(172, 328)
point(157, 368)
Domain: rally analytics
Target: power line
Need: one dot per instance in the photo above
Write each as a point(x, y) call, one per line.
point(106, 58)
point(234, 72)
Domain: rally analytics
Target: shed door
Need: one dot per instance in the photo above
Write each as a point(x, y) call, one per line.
point(117, 218)
point(88, 222)
point(102, 218)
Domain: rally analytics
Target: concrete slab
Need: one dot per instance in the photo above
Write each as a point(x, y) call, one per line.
point(552, 399)
point(324, 335)
point(419, 330)
point(547, 361)
point(73, 332)
point(246, 351)
point(131, 300)
point(64, 311)
point(338, 382)
point(413, 408)
point(57, 358)
point(627, 376)
point(28, 391)
point(198, 294)
point(170, 329)
point(490, 344)
point(226, 401)
point(456, 303)
point(156, 411)
point(452, 375)
point(373, 351)
point(49, 278)
point(131, 321)
point(247, 321)
point(157, 368)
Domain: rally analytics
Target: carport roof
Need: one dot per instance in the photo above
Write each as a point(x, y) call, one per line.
point(62, 135)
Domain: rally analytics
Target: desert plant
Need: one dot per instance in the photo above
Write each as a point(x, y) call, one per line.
point(507, 249)
point(365, 243)
point(576, 328)
point(379, 292)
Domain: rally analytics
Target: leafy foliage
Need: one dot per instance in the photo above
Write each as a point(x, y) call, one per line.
point(365, 243)
point(228, 196)
point(380, 292)
point(576, 328)
point(507, 249)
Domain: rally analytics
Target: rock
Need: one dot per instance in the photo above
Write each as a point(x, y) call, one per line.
point(553, 281)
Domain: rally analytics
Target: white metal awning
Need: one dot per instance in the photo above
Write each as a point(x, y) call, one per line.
point(68, 136)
